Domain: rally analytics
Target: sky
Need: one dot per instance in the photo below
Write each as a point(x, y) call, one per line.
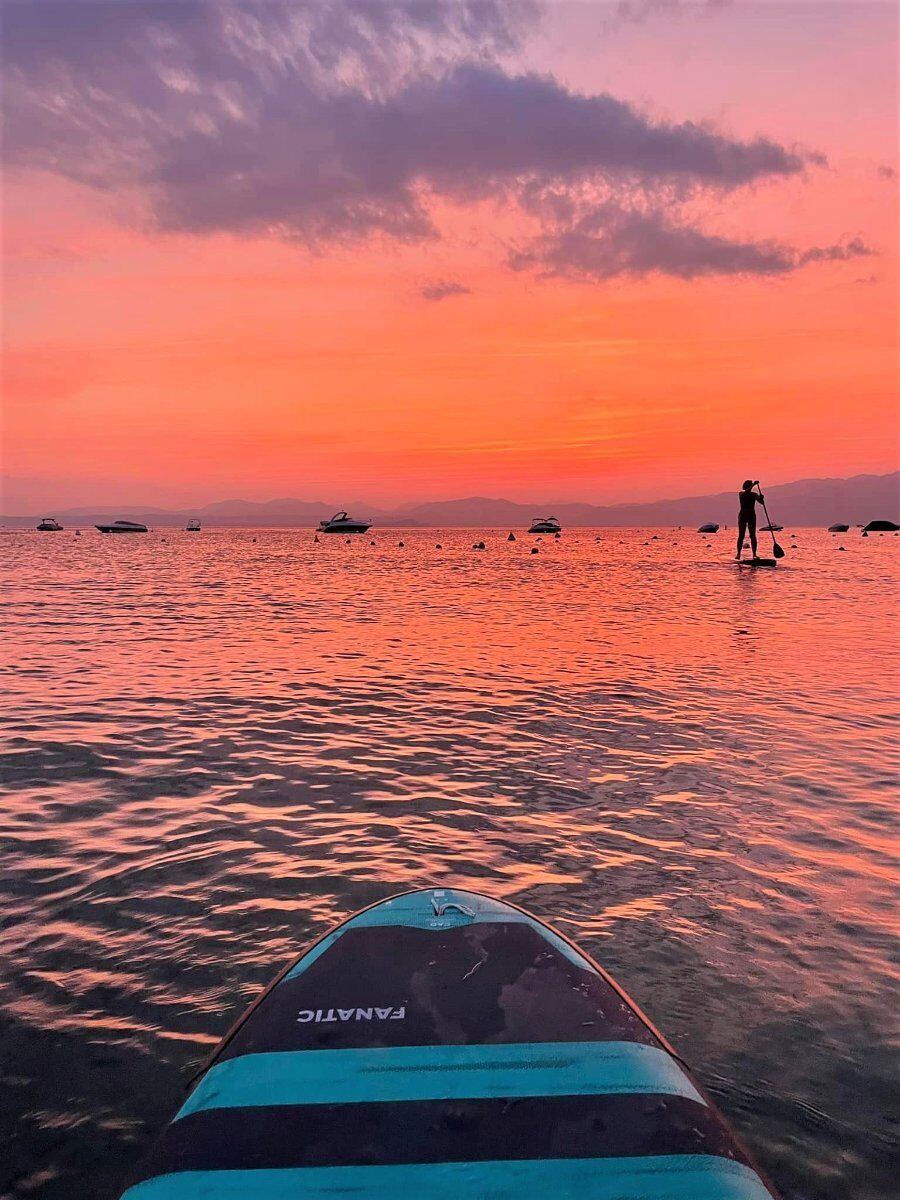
point(395, 251)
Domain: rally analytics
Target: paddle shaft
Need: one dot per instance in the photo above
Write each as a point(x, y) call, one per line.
point(776, 549)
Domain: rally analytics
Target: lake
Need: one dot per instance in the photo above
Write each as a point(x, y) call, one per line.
point(216, 745)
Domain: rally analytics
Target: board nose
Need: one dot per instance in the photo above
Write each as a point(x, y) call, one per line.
point(446, 903)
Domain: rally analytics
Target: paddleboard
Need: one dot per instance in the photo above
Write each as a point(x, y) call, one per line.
point(756, 562)
point(443, 1045)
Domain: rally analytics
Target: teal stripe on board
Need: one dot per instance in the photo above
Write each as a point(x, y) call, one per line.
point(399, 1073)
point(437, 910)
point(663, 1177)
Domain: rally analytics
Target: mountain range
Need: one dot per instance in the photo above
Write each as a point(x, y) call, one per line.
point(856, 500)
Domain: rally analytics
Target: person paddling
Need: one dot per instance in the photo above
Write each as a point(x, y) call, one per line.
point(747, 515)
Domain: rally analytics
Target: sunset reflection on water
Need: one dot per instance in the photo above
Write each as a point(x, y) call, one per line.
point(216, 746)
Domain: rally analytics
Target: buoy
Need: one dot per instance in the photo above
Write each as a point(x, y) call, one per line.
point(840, 547)
point(557, 536)
point(346, 541)
point(316, 538)
point(511, 538)
point(865, 534)
point(400, 544)
point(534, 549)
point(371, 543)
point(439, 546)
point(596, 539)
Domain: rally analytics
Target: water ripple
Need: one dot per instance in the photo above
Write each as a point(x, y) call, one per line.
point(216, 747)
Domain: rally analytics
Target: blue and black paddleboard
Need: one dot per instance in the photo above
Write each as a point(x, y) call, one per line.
point(442, 1045)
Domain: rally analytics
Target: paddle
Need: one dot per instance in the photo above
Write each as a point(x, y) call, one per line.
point(776, 549)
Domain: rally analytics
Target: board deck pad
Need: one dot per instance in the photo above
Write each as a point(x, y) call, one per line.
point(443, 1044)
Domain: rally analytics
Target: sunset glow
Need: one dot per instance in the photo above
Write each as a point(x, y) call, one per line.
point(160, 352)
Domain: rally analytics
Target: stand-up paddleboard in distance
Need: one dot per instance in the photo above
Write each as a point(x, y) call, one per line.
point(443, 1045)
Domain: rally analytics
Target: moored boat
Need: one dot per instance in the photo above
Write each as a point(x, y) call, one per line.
point(545, 525)
point(838, 528)
point(193, 526)
point(709, 527)
point(49, 525)
point(342, 523)
point(122, 527)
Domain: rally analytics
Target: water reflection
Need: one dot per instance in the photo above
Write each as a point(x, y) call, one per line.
point(215, 747)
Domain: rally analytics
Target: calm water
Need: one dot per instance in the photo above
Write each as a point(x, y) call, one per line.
point(216, 745)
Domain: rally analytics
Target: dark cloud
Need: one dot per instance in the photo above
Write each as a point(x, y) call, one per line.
point(612, 241)
point(854, 248)
point(440, 289)
point(322, 122)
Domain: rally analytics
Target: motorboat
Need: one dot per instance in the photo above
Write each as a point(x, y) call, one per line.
point(122, 527)
point(882, 527)
point(709, 527)
point(545, 525)
point(49, 525)
point(838, 528)
point(341, 523)
point(193, 526)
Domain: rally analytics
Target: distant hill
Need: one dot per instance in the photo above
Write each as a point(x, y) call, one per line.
point(806, 502)
point(821, 502)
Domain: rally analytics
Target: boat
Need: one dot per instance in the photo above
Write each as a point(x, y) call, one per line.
point(882, 527)
point(341, 523)
point(771, 528)
point(49, 525)
point(709, 527)
point(545, 525)
point(445, 1044)
point(122, 527)
point(838, 528)
point(193, 526)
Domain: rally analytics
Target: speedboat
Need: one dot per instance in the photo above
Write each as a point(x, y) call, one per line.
point(710, 527)
point(545, 525)
point(882, 527)
point(838, 528)
point(49, 525)
point(122, 527)
point(193, 526)
point(341, 523)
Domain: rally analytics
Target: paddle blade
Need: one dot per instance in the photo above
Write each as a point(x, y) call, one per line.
point(777, 550)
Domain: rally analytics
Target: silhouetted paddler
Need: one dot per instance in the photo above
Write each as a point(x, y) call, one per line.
point(748, 500)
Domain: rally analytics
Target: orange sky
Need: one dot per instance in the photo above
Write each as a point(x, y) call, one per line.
point(179, 367)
